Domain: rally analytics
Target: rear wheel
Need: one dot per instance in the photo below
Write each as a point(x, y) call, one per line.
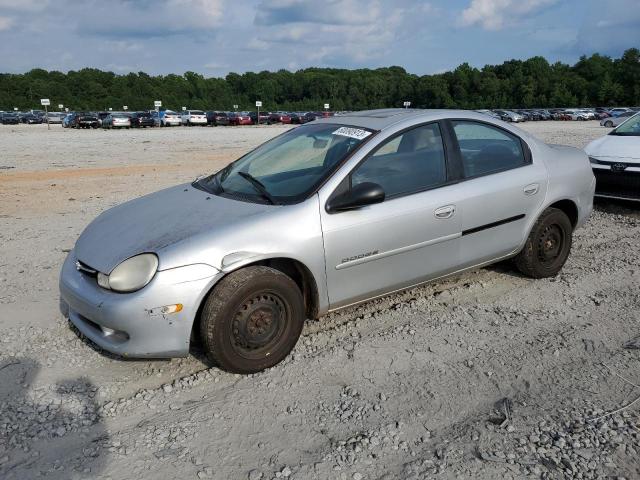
point(608, 124)
point(548, 245)
point(252, 319)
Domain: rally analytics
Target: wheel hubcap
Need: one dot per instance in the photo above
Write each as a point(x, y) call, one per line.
point(258, 324)
point(550, 244)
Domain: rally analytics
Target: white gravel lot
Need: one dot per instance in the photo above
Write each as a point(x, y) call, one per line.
point(485, 375)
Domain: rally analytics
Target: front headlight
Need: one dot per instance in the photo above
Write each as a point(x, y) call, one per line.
point(131, 275)
point(593, 160)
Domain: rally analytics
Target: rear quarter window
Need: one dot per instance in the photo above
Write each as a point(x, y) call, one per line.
point(486, 149)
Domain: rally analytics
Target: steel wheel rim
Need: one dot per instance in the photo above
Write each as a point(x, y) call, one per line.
point(551, 244)
point(259, 324)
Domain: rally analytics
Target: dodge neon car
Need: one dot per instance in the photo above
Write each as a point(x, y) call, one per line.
point(326, 215)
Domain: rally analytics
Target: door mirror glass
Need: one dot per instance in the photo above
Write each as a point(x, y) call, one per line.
point(360, 195)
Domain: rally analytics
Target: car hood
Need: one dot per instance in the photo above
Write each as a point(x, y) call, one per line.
point(615, 147)
point(156, 221)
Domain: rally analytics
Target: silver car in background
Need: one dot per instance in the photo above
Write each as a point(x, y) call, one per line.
point(116, 120)
point(326, 215)
point(509, 116)
point(611, 122)
point(55, 117)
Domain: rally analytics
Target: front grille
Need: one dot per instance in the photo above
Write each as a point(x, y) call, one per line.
point(619, 184)
point(609, 163)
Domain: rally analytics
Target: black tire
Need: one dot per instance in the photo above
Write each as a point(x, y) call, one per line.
point(608, 124)
point(252, 319)
point(548, 245)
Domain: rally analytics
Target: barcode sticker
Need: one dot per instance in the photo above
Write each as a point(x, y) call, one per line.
point(356, 133)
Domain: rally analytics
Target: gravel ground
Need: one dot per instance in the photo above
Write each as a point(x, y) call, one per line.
point(484, 375)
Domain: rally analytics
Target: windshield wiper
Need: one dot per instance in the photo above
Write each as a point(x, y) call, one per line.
point(259, 186)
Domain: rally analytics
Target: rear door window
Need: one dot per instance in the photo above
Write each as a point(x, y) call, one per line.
point(486, 149)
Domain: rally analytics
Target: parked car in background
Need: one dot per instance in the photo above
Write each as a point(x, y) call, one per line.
point(116, 120)
point(241, 118)
point(218, 118)
point(590, 113)
point(85, 120)
point(303, 117)
point(616, 112)
point(168, 118)
point(615, 160)
point(576, 114)
point(524, 113)
point(194, 117)
point(490, 114)
point(141, 120)
point(9, 118)
point(67, 120)
point(610, 122)
point(55, 117)
point(545, 115)
point(279, 117)
point(264, 117)
point(559, 114)
point(322, 217)
point(509, 116)
point(31, 119)
point(101, 116)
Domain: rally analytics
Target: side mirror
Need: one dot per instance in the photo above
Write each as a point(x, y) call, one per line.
point(363, 194)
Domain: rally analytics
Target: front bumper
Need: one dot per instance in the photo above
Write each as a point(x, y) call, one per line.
point(126, 323)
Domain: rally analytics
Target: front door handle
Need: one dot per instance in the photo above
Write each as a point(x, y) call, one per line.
point(531, 189)
point(445, 212)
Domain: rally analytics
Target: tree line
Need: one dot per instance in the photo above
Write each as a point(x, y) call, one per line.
point(597, 80)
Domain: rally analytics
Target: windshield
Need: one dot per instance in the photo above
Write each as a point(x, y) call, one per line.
point(630, 127)
point(289, 167)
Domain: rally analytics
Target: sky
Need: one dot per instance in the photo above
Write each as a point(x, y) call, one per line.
point(215, 37)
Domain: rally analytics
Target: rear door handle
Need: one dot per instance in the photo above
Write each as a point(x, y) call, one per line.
point(445, 212)
point(531, 189)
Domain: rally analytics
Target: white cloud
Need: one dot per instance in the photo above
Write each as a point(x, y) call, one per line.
point(158, 18)
point(496, 14)
point(336, 33)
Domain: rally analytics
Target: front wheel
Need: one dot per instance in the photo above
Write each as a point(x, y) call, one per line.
point(252, 319)
point(608, 124)
point(548, 246)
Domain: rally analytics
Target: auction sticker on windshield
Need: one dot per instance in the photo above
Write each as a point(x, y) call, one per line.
point(356, 133)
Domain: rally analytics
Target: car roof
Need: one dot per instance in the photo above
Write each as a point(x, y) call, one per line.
point(386, 117)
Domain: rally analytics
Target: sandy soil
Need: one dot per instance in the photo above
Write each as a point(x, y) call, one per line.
point(401, 387)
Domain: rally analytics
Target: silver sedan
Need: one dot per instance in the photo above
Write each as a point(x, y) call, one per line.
point(326, 215)
point(611, 122)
